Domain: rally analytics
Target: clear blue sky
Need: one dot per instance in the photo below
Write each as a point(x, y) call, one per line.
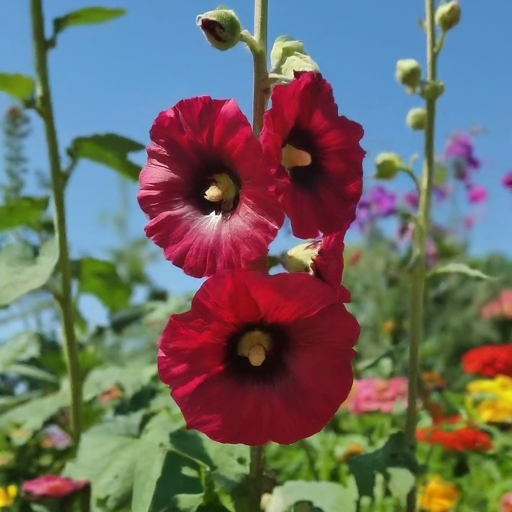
point(118, 76)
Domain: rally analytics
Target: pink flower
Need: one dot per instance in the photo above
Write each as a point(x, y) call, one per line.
point(52, 486)
point(506, 502)
point(377, 395)
point(476, 194)
point(207, 189)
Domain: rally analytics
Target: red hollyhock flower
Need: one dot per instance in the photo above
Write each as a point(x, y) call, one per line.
point(317, 156)
point(259, 358)
point(52, 486)
point(456, 439)
point(489, 360)
point(207, 188)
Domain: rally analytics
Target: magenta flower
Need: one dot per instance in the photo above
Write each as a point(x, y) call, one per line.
point(460, 152)
point(52, 486)
point(506, 181)
point(476, 194)
point(379, 202)
point(412, 200)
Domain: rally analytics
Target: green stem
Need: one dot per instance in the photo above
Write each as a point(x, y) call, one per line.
point(420, 238)
point(260, 97)
point(44, 102)
point(259, 54)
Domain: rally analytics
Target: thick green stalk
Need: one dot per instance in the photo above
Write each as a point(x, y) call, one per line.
point(260, 96)
point(259, 54)
point(44, 107)
point(423, 219)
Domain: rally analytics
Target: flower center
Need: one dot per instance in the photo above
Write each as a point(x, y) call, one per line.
point(222, 189)
point(254, 345)
point(293, 157)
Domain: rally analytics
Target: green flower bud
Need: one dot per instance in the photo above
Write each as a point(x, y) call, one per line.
point(221, 28)
point(387, 165)
point(408, 73)
point(299, 258)
point(288, 55)
point(416, 118)
point(448, 15)
point(432, 90)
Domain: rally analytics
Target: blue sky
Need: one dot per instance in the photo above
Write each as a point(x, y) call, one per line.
point(118, 76)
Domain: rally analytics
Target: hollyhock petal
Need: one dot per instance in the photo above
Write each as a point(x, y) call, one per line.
point(305, 375)
point(193, 143)
point(320, 197)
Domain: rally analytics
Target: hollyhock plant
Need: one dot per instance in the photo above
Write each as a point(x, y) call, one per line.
point(259, 358)
point(207, 188)
point(489, 360)
point(52, 486)
point(316, 154)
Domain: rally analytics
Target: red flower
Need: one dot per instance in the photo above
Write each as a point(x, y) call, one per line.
point(52, 486)
point(207, 188)
point(259, 358)
point(461, 439)
point(317, 156)
point(489, 360)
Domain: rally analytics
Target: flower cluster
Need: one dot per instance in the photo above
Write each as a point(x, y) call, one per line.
point(455, 439)
point(489, 360)
point(52, 486)
point(258, 357)
point(491, 399)
point(378, 395)
point(501, 307)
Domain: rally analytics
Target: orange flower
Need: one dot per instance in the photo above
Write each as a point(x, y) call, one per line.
point(438, 495)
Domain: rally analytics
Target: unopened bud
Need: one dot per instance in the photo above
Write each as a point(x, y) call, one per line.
point(408, 73)
point(288, 55)
point(221, 28)
point(387, 165)
point(416, 118)
point(299, 258)
point(448, 15)
point(432, 90)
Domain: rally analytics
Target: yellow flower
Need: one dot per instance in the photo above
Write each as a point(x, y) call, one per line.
point(7, 495)
point(438, 495)
point(497, 386)
point(495, 411)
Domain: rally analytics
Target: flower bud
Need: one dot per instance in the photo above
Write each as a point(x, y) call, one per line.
point(448, 15)
point(387, 165)
point(408, 73)
point(299, 258)
point(288, 55)
point(416, 118)
point(221, 28)
point(432, 90)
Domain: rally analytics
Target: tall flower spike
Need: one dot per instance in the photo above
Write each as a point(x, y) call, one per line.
point(259, 358)
point(207, 189)
point(316, 154)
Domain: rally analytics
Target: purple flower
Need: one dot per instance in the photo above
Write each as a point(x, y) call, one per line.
point(412, 199)
point(506, 181)
point(377, 203)
point(460, 152)
point(476, 194)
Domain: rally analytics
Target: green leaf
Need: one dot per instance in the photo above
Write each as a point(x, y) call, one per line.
point(85, 16)
point(22, 347)
point(394, 454)
point(32, 415)
point(130, 378)
point(21, 272)
point(101, 279)
point(460, 268)
point(32, 372)
point(21, 211)
point(19, 86)
point(229, 464)
point(108, 149)
point(107, 460)
point(326, 496)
